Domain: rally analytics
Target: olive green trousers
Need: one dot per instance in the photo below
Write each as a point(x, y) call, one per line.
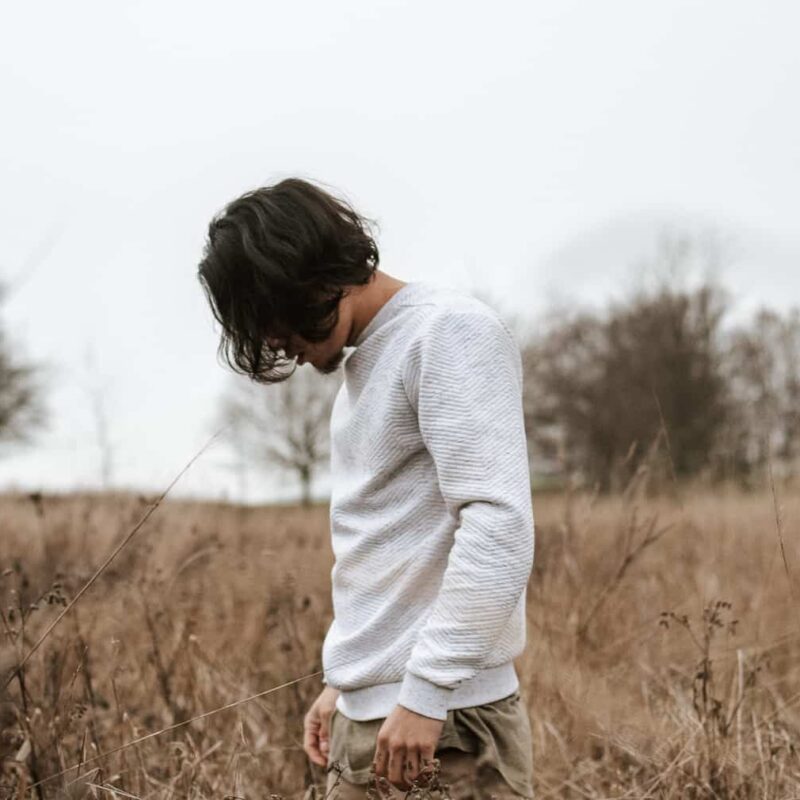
point(484, 751)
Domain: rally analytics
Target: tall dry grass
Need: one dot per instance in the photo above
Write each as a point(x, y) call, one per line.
point(662, 656)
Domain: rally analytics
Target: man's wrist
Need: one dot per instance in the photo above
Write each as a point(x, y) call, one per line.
point(423, 697)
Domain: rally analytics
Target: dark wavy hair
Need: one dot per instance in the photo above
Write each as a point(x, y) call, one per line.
point(277, 262)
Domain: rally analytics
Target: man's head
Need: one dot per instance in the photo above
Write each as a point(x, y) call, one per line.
point(277, 269)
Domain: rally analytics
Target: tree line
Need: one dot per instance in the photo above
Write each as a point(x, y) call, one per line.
point(721, 402)
point(663, 371)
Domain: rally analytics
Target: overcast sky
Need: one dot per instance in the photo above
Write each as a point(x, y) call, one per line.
point(532, 150)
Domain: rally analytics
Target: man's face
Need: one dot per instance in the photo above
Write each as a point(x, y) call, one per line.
point(325, 356)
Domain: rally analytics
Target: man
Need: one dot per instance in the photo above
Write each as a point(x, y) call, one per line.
point(431, 512)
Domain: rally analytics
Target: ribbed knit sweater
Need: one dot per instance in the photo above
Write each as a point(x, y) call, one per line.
point(431, 513)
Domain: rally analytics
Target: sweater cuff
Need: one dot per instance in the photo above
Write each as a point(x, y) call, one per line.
point(423, 697)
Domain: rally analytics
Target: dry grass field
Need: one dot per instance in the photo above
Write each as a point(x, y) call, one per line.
point(662, 656)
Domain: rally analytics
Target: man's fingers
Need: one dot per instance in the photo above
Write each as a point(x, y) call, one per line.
point(325, 734)
point(411, 770)
point(397, 760)
point(381, 758)
point(311, 743)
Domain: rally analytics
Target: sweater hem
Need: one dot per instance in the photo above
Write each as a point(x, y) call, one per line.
point(378, 701)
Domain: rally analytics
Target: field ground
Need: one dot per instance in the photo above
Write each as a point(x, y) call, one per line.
point(663, 650)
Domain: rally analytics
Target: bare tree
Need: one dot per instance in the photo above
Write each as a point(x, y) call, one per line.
point(21, 405)
point(763, 366)
point(96, 389)
point(601, 386)
point(284, 426)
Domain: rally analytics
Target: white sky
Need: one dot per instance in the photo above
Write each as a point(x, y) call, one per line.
point(527, 149)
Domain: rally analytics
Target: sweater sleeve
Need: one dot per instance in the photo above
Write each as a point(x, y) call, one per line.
point(464, 378)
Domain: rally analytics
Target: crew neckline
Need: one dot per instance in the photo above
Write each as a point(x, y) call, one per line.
point(384, 311)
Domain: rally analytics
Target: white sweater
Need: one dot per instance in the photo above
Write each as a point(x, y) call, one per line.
point(431, 512)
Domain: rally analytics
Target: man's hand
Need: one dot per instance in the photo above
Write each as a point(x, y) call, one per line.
point(316, 726)
point(406, 741)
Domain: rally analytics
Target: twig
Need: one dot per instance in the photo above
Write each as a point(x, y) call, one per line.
point(113, 555)
point(172, 728)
